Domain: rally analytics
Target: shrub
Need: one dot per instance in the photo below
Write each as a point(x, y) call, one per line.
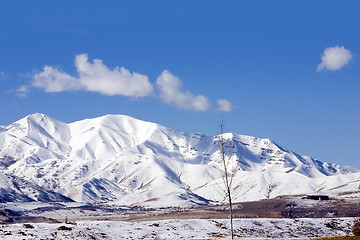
point(356, 227)
point(64, 228)
point(27, 225)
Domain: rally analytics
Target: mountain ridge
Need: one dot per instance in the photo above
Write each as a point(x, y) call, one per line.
point(120, 159)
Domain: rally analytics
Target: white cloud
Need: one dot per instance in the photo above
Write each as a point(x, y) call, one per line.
point(224, 105)
point(2, 76)
point(53, 80)
point(94, 77)
point(171, 92)
point(334, 58)
point(22, 91)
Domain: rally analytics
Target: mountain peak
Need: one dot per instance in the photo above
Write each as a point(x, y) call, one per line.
point(121, 159)
point(35, 117)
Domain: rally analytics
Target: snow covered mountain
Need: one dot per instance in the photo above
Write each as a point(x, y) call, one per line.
point(123, 160)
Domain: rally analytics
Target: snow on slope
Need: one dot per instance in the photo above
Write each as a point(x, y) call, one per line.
point(13, 189)
point(120, 159)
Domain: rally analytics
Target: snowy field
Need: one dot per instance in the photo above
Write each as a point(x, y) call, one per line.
point(262, 228)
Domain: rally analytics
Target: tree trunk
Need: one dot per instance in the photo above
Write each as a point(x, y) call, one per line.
point(231, 217)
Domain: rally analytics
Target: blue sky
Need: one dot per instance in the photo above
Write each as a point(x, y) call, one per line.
point(284, 70)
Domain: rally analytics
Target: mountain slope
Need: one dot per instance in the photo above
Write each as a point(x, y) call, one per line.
point(120, 159)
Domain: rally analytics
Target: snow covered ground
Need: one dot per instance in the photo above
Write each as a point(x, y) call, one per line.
point(259, 228)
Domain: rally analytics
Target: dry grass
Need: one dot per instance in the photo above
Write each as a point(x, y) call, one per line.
point(338, 238)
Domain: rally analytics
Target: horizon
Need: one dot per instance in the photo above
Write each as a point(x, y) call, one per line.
point(284, 71)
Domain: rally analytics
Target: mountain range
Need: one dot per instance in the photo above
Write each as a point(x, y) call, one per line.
point(121, 160)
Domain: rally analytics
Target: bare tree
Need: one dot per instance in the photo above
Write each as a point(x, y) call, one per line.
point(228, 172)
